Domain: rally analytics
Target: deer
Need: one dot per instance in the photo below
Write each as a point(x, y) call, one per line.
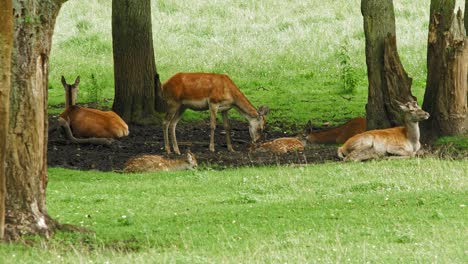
point(397, 142)
point(154, 163)
point(208, 91)
point(336, 135)
point(279, 145)
point(87, 125)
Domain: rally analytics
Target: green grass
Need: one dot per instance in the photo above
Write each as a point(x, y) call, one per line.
point(285, 54)
point(386, 211)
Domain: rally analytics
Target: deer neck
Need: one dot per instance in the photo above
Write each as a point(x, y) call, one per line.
point(246, 109)
point(70, 98)
point(412, 132)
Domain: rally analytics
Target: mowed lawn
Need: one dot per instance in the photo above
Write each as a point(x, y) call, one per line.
point(385, 211)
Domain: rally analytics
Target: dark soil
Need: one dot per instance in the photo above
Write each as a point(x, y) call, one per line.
point(193, 136)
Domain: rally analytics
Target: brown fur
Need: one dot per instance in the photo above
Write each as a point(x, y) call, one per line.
point(207, 91)
point(91, 123)
point(336, 135)
point(279, 146)
point(153, 163)
point(398, 141)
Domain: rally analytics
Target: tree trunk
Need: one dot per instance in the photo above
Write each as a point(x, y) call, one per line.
point(387, 79)
point(447, 61)
point(137, 84)
point(466, 17)
point(6, 44)
point(26, 168)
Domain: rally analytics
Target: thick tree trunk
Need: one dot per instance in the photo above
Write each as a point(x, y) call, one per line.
point(447, 61)
point(397, 84)
point(26, 171)
point(382, 65)
point(136, 80)
point(6, 44)
point(466, 17)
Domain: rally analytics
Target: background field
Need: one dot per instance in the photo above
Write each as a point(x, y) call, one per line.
point(285, 54)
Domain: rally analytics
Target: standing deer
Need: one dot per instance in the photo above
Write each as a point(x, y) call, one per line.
point(336, 135)
point(152, 163)
point(87, 125)
point(206, 91)
point(400, 141)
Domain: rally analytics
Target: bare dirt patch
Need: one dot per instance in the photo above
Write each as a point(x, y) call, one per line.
point(191, 135)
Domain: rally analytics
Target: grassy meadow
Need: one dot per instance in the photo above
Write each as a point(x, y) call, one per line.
point(289, 55)
point(406, 211)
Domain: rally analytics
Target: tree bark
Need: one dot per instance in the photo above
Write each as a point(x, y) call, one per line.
point(26, 168)
point(137, 84)
point(388, 80)
point(445, 98)
point(466, 17)
point(6, 44)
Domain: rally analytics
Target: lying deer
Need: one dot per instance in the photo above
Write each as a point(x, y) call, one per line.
point(400, 141)
point(87, 125)
point(279, 145)
point(213, 92)
point(336, 135)
point(152, 163)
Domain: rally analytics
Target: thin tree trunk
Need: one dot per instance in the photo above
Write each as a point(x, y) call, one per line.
point(136, 79)
point(6, 44)
point(26, 171)
point(386, 83)
point(447, 61)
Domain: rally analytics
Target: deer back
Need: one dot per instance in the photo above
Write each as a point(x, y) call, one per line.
point(279, 146)
point(337, 134)
point(88, 122)
point(154, 163)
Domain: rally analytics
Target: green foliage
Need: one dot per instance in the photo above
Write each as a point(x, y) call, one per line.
point(380, 211)
point(94, 91)
point(348, 74)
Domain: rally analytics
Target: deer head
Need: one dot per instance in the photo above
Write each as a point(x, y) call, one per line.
point(412, 112)
point(191, 160)
point(258, 124)
point(71, 91)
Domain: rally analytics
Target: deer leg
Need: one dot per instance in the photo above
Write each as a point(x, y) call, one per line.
point(173, 126)
point(69, 135)
point(213, 111)
point(363, 154)
point(227, 128)
point(400, 151)
point(167, 120)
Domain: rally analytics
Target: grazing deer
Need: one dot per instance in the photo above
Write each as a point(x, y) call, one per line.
point(206, 91)
point(152, 163)
point(279, 145)
point(400, 141)
point(336, 135)
point(87, 125)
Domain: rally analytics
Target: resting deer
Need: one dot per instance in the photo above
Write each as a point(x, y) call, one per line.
point(400, 141)
point(152, 163)
point(206, 91)
point(336, 135)
point(279, 145)
point(89, 125)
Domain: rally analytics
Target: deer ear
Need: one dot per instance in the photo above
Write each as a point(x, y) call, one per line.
point(77, 81)
point(64, 82)
point(263, 110)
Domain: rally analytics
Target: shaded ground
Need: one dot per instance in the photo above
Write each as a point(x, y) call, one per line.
point(195, 135)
